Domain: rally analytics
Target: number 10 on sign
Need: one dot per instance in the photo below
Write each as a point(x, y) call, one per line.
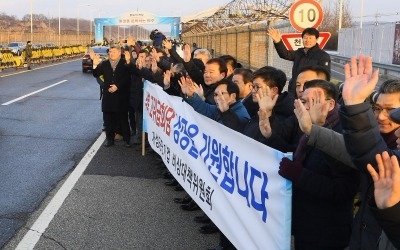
point(305, 14)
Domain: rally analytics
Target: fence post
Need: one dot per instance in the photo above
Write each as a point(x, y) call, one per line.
point(236, 42)
point(249, 46)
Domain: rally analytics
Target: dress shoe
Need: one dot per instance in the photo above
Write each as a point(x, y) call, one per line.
point(117, 137)
point(108, 144)
point(172, 182)
point(217, 248)
point(184, 200)
point(137, 139)
point(202, 218)
point(168, 175)
point(209, 229)
point(179, 188)
point(191, 206)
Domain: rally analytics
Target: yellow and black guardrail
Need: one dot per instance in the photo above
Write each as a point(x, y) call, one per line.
point(42, 55)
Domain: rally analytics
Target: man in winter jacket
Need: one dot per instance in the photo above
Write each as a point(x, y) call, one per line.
point(311, 54)
point(227, 110)
point(285, 134)
point(268, 83)
point(323, 188)
point(363, 141)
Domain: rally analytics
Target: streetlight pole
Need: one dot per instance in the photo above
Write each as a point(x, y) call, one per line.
point(362, 13)
point(77, 26)
point(91, 17)
point(340, 13)
point(59, 23)
point(31, 21)
point(77, 21)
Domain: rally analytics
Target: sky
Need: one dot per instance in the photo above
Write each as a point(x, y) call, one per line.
point(113, 8)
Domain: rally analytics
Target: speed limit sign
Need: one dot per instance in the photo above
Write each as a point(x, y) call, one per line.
point(306, 14)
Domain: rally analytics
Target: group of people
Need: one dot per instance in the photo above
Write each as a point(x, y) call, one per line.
point(334, 134)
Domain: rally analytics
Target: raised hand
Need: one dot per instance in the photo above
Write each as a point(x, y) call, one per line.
point(264, 99)
point(140, 62)
point(274, 34)
point(130, 41)
point(95, 58)
point(167, 79)
point(264, 124)
point(155, 55)
point(154, 66)
point(303, 117)
point(387, 181)
point(318, 106)
point(360, 80)
point(127, 56)
point(221, 101)
point(199, 90)
point(187, 87)
point(167, 44)
point(187, 53)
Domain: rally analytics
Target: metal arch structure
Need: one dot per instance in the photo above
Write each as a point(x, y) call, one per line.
point(239, 13)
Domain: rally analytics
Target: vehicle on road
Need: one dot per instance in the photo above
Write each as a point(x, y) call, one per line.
point(87, 63)
point(50, 45)
point(16, 47)
point(37, 45)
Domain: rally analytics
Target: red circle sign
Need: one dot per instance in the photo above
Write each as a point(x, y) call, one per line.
point(306, 14)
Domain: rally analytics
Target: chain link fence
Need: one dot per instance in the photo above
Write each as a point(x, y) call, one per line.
point(64, 39)
point(250, 45)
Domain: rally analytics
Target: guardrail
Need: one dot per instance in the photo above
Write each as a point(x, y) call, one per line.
point(43, 55)
point(385, 70)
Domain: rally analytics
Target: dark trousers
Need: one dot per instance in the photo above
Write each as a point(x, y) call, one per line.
point(112, 120)
point(302, 245)
point(28, 62)
point(132, 119)
point(225, 243)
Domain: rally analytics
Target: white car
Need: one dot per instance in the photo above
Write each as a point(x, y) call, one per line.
point(16, 47)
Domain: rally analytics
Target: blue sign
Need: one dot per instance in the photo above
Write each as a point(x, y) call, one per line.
point(135, 18)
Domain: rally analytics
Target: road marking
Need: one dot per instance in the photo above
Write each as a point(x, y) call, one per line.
point(22, 72)
point(39, 227)
point(337, 72)
point(32, 93)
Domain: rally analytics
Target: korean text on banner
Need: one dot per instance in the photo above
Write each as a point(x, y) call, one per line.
point(233, 178)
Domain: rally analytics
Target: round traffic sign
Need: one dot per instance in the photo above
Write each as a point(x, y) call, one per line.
point(306, 14)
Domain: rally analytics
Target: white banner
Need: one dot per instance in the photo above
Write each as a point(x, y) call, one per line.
point(233, 178)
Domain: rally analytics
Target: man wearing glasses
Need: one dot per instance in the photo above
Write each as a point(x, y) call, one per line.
point(268, 84)
point(384, 100)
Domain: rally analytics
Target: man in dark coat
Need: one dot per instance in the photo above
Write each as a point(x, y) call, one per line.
point(285, 134)
point(269, 82)
point(323, 187)
point(311, 54)
point(363, 141)
point(115, 102)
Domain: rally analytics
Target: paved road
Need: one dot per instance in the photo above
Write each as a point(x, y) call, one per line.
point(42, 135)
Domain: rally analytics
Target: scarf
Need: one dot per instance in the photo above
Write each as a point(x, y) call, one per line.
point(114, 63)
point(331, 120)
point(390, 139)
